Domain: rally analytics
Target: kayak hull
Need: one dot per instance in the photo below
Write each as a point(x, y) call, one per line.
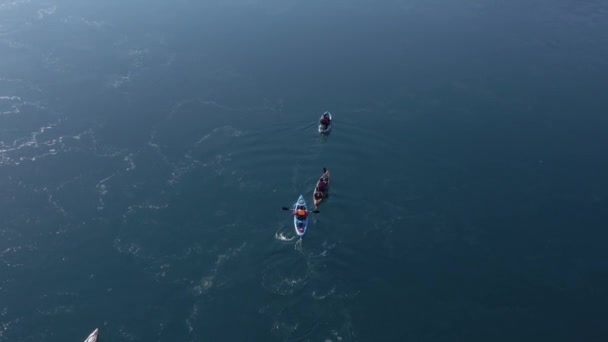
point(93, 336)
point(300, 225)
point(326, 130)
point(316, 200)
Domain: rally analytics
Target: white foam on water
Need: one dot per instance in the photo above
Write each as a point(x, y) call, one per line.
point(284, 282)
point(30, 141)
point(182, 168)
point(163, 271)
point(131, 248)
point(132, 209)
point(189, 163)
point(13, 253)
point(57, 310)
point(54, 203)
point(129, 159)
point(45, 12)
point(127, 335)
point(7, 5)
point(101, 186)
point(191, 318)
point(79, 135)
point(336, 335)
point(5, 325)
point(156, 147)
point(10, 105)
point(119, 81)
point(103, 190)
point(87, 22)
point(284, 329)
point(227, 130)
point(298, 246)
point(281, 237)
point(319, 296)
point(14, 44)
point(207, 282)
point(137, 56)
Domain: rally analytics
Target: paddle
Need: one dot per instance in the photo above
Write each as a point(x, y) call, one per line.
point(314, 211)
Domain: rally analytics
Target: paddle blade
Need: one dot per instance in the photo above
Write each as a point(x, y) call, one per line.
point(285, 208)
point(316, 211)
point(324, 170)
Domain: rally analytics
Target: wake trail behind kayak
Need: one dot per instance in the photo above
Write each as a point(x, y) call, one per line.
point(281, 237)
point(298, 246)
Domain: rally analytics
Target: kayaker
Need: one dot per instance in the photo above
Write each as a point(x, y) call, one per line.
point(300, 213)
point(318, 195)
point(325, 120)
point(322, 186)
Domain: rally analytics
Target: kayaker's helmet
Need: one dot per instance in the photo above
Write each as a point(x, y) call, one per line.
point(326, 114)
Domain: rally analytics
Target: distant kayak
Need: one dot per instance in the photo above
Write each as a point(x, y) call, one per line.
point(300, 224)
point(93, 336)
point(325, 129)
point(319, 196)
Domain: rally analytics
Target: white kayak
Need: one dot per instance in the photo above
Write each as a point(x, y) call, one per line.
point(323, 129)
point(93, 336)
point(300, 224)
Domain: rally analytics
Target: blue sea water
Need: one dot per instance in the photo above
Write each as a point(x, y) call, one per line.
point(147, 147)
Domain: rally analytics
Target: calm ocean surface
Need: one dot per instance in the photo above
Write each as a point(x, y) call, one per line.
point(147, 147)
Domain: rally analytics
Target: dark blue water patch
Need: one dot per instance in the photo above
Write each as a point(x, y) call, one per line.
point(452, 269)
point(468, 309)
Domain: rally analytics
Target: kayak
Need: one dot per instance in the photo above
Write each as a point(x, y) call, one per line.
point(93, 336)
point(325, 130)
point(325, 177)
point(300, 225)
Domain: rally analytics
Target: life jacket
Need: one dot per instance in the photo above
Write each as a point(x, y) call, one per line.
point(301, 212)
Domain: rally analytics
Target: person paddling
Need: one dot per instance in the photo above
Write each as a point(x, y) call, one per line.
point(322, 185)
point(325, 120)
point(300, 213)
